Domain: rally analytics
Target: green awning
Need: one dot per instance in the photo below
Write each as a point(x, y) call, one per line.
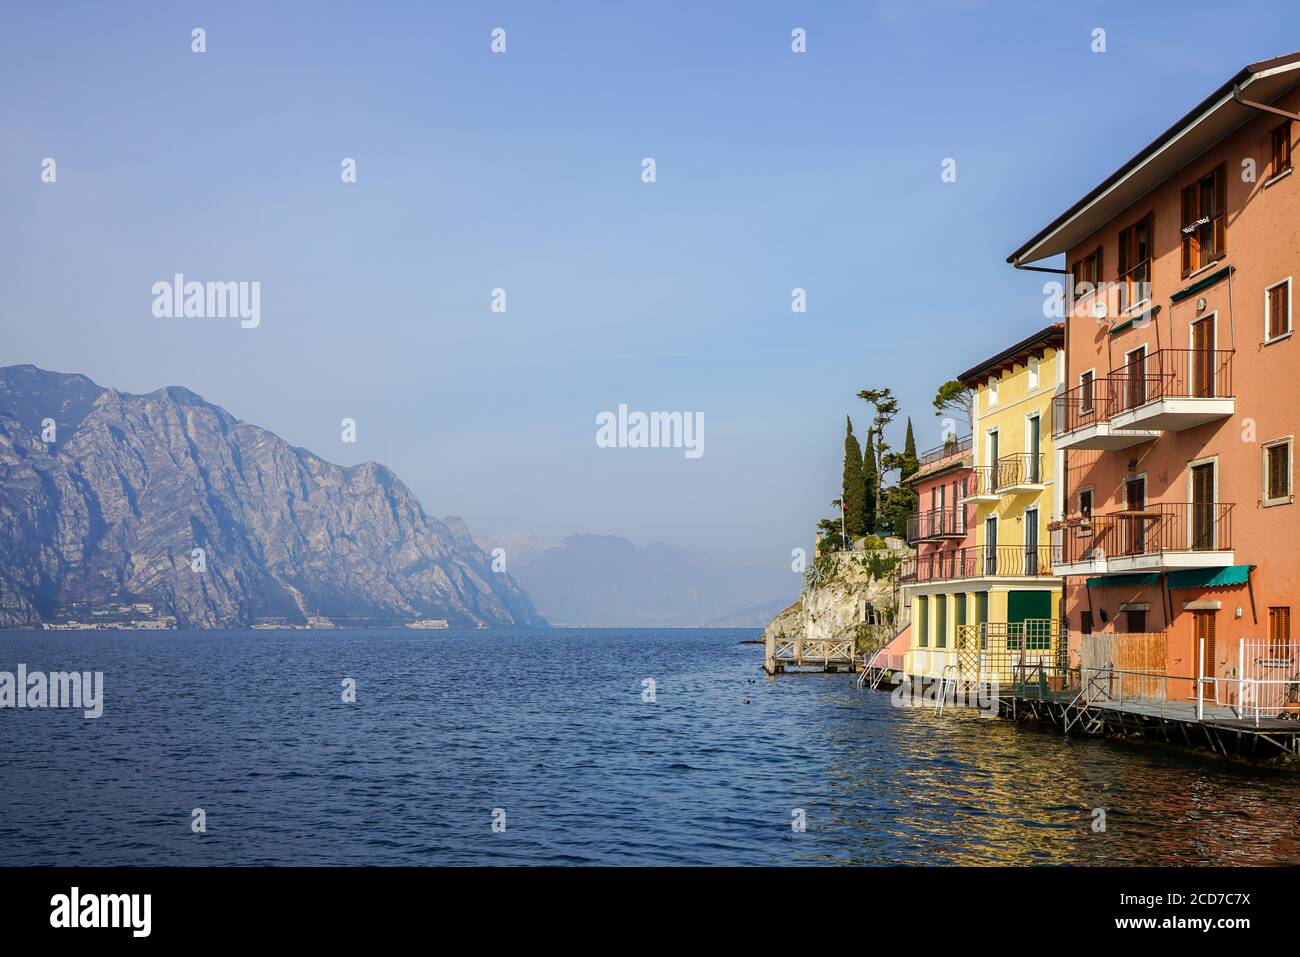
point(1210, 577)
point(1206, 283)
point(1149, 314)
point(1124, 581)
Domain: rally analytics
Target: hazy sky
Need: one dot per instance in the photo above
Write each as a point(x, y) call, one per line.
point(522, 170)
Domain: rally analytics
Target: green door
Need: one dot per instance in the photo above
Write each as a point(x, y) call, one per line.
point(1022, 605)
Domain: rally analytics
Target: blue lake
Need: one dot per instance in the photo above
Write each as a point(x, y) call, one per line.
point(551, 728)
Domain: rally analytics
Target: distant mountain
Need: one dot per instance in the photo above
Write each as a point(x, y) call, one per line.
point(755, 616)
point(113, 509)
point(605, 580)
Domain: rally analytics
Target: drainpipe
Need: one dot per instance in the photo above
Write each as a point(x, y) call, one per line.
point(1236, 95)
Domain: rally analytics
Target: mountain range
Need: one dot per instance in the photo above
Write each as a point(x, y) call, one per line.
point(608, 581)
point(166, 499)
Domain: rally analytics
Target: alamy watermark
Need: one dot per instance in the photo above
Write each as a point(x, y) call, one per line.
point(179, 299)
point(58, 689)
point(651, 430)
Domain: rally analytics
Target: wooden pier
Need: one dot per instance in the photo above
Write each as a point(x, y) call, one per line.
point(809, 654)
point(1213, 727)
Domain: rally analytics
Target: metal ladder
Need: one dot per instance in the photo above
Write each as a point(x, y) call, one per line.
point(1076, 712)
point(948, 678)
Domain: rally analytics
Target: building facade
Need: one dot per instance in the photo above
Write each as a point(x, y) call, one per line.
point(987, 602)
point(1182, 400)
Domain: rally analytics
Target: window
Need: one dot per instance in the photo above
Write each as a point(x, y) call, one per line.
point(993, 391)
point(1137, 620)
point(941, 621)
point(1204, 239)
point(1085, 502)
point(1277, 310)
point(1085, 622)
point(1135, 263)
point(1277, 473)
point(1086, 273)
point(1279, 632)
point(1033, 372)
point(1086, 390)
point(922, 606)
point(1281, 150)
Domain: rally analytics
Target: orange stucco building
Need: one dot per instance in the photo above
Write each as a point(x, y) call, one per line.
point(1181, 401)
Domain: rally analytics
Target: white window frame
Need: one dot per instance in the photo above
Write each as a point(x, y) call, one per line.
point(1092, 372)
point(1031, 368)
point(1290, 310)
point(1287, 499)
point(1214, 497)
point(993, 391)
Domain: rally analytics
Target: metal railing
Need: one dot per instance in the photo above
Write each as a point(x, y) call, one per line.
point(1082, 406)
point(952, 447)
point(1171, 374)
point(938, 523)
point(978, 561)
point(1018, 468)
point(1150, 530)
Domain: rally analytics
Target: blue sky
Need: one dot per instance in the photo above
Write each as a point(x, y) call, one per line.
point(522, 171)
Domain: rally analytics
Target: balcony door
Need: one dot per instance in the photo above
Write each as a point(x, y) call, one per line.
point(1136, 386)
point(1035, 447)
point(991, 545)
point(1203, 531)
point(1135, 529)
point(996, 480)
point(1203, 358)
point(1031, 541)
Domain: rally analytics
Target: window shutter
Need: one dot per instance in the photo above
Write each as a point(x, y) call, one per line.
point(1189, 217)
point(1279, 306)
point(1220, 211)
point(1279, 481)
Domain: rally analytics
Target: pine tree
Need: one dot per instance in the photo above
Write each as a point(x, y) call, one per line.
point(869, 485)
point(854, 490)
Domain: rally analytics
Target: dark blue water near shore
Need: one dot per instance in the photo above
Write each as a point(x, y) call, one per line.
point(551, 727)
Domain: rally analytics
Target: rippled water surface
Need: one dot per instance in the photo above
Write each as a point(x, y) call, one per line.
point(551, 727)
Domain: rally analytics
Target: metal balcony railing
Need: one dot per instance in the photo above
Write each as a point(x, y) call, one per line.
point(1018, 468)
point(952, 447)
point(1171, 374)
point(1082, 406)
point(938, 523)
point(1151, 530)
point(978, 561)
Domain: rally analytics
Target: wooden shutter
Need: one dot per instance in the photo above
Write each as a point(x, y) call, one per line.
point(1279, 479)
point(1220, 213)
point(1279, 308)
point(1205, 632)
point(1189, 216)
point(1279, 631)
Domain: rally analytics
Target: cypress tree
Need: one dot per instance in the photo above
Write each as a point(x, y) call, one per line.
point(854, 490)
point(910, 461)
point(869, 485)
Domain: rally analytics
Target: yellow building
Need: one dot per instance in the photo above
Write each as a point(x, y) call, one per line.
point(983, 596)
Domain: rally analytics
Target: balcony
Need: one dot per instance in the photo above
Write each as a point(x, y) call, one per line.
point(1157, 538)
point(1081, 419)
point(953, 446)
point(978, 561)
point(981, 485)
point(1171, 390)
point(937, 525)
point(1018, 473)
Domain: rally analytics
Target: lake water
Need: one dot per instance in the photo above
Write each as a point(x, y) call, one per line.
point(550, 727)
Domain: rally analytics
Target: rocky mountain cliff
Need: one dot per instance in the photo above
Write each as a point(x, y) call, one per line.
point(114, 506)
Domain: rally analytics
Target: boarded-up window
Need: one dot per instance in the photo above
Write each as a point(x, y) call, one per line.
point(1135, 262)
point(1281, 149)
point(1279, 631)
point(1204, 222)
point(1279, 309)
